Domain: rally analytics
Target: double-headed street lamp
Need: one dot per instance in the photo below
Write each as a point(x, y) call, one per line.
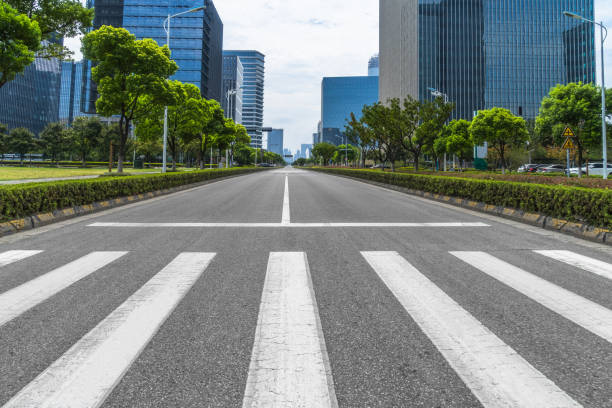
point(167, 29)
point(604, 35)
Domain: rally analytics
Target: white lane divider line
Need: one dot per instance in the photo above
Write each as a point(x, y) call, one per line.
point(9, 257)
point(18, 300)
point(289, 365)
point(289, 225)
point(583, 312)
point(286, 218)
point(496, 374)
point(87, 373)
point(580, 261)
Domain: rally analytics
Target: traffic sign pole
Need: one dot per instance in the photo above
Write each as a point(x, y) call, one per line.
point(568, 162)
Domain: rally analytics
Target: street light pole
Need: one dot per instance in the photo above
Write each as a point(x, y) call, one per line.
point(436, 93)
point(604, 130)
point(167, 30)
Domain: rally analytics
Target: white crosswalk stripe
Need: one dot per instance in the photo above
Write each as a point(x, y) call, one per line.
point(289, 364)
point(580, 261)
point(494, 372)
point(87, 372)
point(22, 298)
point(585, 313)
point(9, 257)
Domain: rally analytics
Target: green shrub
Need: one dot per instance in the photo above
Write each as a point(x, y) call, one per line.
point(588, 205)
point(21, 200)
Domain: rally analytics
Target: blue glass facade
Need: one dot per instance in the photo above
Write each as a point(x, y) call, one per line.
point(70, 91)
point(341, 96)
point(275, 141)
point(506, 53)
point(253, 63)
point(31, 100)
point(233, 81)
point(373, 66)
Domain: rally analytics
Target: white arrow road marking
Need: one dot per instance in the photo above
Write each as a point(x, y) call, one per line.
point(585, 313)
point(286, 218)
point(9, 257)
point(497, 375)
point(580, 261)
point(292, 225)
point(289, 365)
point(87, 373)
point(22, 298)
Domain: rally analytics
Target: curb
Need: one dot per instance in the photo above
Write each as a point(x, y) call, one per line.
point(580, 230)
point(42, 219)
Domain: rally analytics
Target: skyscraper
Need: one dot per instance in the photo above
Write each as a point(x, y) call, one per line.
point(71, 91)
point(373, 66)
point(484, 53)
point(341, 96)
point(253, 63)
point(305, 150)
point(233, 81)
point(275, 141)
point(31, 100)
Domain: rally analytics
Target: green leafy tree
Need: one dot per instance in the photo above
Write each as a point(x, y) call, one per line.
point(131, 76)
point(55, 141)
point(578, 106)
point(212, 124)
point(86, 134)
point(501, 130)
point(19, 41)
point(4, 145)
point(243, 155)
point(432, 116)
point(56, 19)
point(360, 134)
point(346, 153)
point(325, 151)
point(241, 138)
point(459, 141)
point(21, 141)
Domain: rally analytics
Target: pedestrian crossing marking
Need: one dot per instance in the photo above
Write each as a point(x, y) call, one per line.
point(496, 374)
point(583, 312)
point(87, 373)
point(22, 298)
point(10, 257)
point(580, 261)
point(289, 364)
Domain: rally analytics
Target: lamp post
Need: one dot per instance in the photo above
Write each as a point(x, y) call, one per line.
point(167, 30)
point(604, 141)
point(437, 94)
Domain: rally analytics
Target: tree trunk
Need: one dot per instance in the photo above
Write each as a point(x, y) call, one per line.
point(579, 161)
point(416, 162)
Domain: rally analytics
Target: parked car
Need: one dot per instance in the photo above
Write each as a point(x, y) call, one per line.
point(553, 168)
point(530, 168)
point(595, 169)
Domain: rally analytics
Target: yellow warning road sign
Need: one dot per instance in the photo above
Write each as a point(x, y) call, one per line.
point(569, 144)
point(568, 132)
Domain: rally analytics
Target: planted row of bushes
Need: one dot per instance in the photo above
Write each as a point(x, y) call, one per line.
point(22, 200)
point(66, 163)
point(592, 206)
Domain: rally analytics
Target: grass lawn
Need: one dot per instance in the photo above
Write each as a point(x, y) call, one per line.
point(27, 173)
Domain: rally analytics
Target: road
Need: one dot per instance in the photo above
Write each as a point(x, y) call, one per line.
point(291, 288)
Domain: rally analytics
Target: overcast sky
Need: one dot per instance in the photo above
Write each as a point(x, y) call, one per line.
point(306, 40)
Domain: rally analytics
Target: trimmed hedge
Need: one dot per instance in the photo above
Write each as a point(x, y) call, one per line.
point(22, 200)
point(591, 206)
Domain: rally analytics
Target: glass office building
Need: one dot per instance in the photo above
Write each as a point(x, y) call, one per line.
point(32, 99)
point(373, 66)
point(233, 81)
point(486, 53)
point(275, 141)
point(253, 63)
point(341, 96)
point(71, 91)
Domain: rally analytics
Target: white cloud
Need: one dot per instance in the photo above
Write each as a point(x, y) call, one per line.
point(306, 40)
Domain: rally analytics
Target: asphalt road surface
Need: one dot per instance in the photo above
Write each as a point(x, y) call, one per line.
point(291, 288)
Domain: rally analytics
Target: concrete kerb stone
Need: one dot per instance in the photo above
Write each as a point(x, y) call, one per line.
point(42, 219)
point(580, 230)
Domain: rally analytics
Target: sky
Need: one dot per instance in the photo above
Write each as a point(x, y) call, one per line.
point(306, 40)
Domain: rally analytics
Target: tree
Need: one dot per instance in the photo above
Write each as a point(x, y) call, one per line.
point(19, 41)
point(578, 106)
point(86, 134)
point(213, 123)
point(21, 141)
point(357, 132)
point(459, 142)
point(241, 138)
point(4, 145)
point(501, 129)
point(348, 152)
point(55, 141)
point(56, 19)
point(131, 76)
point(243, 153)
point(432, 116)
point(325, 151)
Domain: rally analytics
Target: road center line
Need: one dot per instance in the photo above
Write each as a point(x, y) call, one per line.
point(497, 375)
point(87, 373)
point(291, 225)
point(22, 298)
point(286, 218)
point(583, 312)
point(289, 365)
point(9, 257)
point(580, 261)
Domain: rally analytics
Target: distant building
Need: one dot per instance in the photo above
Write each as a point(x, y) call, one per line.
point(233, 81)
point(32, 99)
point(288, 156)
point(253, 63)
point(305, 151)
point(341, 96)
point(71, 91)
point(484, 54)
point(315, 138)
point(373, 67)
point(275, 141)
